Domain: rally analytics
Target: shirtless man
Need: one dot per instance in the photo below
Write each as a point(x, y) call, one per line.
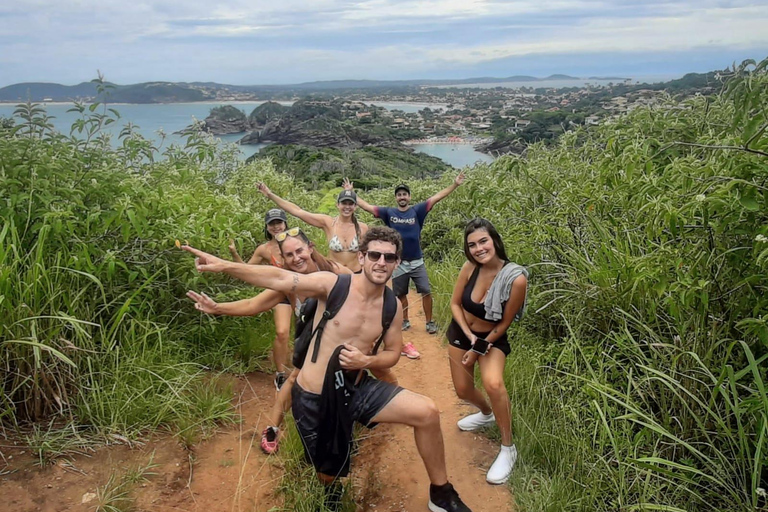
point(347, 342)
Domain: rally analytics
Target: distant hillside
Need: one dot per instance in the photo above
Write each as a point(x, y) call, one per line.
point(150, 92)
point(170, 92)
point(368, 167)
point(38, 91)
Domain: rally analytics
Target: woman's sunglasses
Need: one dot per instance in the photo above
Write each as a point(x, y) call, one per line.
point(389, 257)
point(291, 232)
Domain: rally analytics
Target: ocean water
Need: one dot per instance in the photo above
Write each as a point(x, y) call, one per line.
point(458, 155)
point(160, 122)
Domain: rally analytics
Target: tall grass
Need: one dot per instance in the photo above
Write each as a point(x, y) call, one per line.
point(95, 333)
point(638, 378)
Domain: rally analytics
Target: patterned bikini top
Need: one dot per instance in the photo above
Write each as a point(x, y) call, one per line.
point(334, 243)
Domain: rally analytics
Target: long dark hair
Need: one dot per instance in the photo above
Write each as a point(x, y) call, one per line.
point(479, 223)
point(357, 226)
point(323, 264)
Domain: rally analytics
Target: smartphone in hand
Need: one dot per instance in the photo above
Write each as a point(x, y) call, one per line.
point(481, 346)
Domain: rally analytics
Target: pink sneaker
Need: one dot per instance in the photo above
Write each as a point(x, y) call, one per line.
point(269, 440)
point(410, 351)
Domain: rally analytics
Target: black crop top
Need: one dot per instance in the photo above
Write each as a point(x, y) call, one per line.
point(477, 309)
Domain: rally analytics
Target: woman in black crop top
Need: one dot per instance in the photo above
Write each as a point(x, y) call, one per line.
point(486, 258)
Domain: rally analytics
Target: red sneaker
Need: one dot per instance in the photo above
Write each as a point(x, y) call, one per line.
point(410, 351)
point(269, 440)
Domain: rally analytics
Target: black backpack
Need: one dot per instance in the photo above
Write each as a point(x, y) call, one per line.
point(336, 299)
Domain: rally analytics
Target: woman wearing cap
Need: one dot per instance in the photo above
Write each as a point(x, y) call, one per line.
point(268, 253)
point(342, 232)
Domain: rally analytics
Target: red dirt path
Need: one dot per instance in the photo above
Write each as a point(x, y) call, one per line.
point(230, 474)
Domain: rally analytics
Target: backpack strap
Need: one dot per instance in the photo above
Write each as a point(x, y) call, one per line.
point(333, 304)
point(388, 311)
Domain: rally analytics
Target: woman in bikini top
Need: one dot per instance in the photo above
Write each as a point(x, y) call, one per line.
point(343, 232)
point(268, 253)
point(335, 245)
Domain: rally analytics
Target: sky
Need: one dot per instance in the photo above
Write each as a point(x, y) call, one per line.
point(290, 41)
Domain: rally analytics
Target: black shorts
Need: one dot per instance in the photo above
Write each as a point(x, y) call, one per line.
point(371, 397)
point(456, 338)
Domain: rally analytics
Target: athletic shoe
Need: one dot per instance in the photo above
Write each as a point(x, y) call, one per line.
point(476, 421)
point(503, 465)
point(269, 440)
point(431, 327)
point(406, 325)
point(410, 351)
point(280, 379)
point(445, 499)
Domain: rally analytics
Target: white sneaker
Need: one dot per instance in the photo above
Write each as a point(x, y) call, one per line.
point(476, 421)
point(502, 467)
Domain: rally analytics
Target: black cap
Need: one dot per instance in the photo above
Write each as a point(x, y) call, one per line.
point(347, 195)
point(402, 186)
point(275, 214)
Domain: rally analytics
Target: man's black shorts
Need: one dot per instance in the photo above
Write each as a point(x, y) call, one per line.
point(370, 398)
point(457, 339)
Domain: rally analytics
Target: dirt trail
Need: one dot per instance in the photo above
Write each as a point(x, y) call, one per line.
point(400, 482)
point(230, 474)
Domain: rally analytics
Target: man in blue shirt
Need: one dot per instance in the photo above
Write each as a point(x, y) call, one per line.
point(408, 221)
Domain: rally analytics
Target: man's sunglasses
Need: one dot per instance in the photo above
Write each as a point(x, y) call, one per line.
point(389, 257)
point(291, 232)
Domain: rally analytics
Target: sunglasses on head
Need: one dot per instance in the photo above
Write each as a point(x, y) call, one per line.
point(389, 257)
point(290, 232)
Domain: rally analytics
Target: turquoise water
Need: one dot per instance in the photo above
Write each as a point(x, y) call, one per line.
point(151, 120)
point(458, 155)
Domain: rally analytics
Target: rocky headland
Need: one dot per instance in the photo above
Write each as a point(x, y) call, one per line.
point(307, 123)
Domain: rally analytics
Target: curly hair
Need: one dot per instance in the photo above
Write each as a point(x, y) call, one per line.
point(382, 234)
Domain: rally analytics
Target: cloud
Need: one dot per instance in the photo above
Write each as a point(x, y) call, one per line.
point(251, 41)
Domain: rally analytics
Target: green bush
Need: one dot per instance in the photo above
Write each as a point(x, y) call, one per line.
point(638, 378)
point(94, 325)
point(646, 241)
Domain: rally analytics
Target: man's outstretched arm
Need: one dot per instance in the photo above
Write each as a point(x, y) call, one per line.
point(446, 191)
point(317, 284)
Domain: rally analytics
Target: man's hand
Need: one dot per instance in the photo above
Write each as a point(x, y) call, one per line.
point(203, 303)
point(459, 179)
point(347, 185)
point(232, 246)
point(263, 188)
point(351, 358)
point(205, 262)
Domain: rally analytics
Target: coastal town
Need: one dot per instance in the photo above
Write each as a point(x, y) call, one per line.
point(494, 120)
point(492, 117)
